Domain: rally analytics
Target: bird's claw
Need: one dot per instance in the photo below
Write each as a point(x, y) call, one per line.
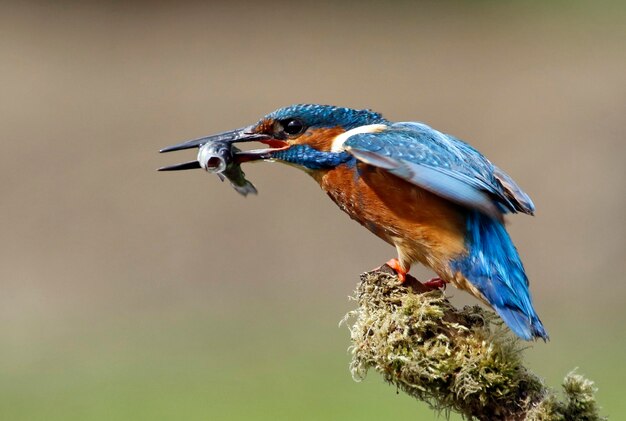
point(400, 272)
point(435, 283)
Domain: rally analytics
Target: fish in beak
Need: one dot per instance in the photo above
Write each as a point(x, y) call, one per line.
point(217, 154)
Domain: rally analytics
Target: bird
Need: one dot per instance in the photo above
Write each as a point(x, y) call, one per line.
point(432, 196)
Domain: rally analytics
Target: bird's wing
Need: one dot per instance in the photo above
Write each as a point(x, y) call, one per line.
point(441, 164)
point(516, 195)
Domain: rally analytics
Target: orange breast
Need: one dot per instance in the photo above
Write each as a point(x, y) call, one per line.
point(423, 226)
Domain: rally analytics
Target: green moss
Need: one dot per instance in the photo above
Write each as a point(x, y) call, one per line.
point(455, 360)
point(578, 404)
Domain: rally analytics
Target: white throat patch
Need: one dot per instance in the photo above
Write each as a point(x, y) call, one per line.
point(337, 145)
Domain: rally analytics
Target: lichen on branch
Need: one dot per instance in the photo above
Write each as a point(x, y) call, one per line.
point(464, 361)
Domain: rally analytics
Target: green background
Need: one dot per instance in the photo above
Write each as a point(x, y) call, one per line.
point(133, 295)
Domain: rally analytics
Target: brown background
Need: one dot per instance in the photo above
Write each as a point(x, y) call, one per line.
point(130, 294)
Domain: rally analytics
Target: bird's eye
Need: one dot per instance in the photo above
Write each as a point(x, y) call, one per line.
point(293, 127)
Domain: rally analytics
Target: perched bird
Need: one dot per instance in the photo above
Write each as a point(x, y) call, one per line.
point(433, 197)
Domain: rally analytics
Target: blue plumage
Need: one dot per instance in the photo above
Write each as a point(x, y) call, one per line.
point(494, 267)
point(328, 116)
point(456, 171)
point(310, 158)
point(442, 164)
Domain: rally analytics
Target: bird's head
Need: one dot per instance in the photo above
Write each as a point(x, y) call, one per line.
point(305, 135)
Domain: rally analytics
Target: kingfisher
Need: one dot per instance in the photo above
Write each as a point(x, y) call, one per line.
point(432, 196)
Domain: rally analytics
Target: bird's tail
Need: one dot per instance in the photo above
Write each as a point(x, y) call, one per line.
point(493, 266)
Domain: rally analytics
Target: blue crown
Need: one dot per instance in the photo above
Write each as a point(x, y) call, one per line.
point(314, 115)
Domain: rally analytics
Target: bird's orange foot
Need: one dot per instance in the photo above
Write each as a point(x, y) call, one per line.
point(435, 283)
point(395, 265)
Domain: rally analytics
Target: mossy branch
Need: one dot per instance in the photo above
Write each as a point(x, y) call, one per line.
point(464, 361)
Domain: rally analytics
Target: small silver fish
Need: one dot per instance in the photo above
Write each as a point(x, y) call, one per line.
point(219, 158)
point(217, 154)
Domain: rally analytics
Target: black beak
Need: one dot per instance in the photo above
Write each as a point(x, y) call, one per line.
point(239, 135)
point(191, 165)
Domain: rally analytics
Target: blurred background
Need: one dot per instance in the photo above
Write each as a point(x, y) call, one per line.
point(129, 294)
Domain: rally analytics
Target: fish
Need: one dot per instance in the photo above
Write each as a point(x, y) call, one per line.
point(219, 158)
point(218, 155)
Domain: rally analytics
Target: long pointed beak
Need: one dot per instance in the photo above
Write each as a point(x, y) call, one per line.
point(238, 135)
point(191, 165)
